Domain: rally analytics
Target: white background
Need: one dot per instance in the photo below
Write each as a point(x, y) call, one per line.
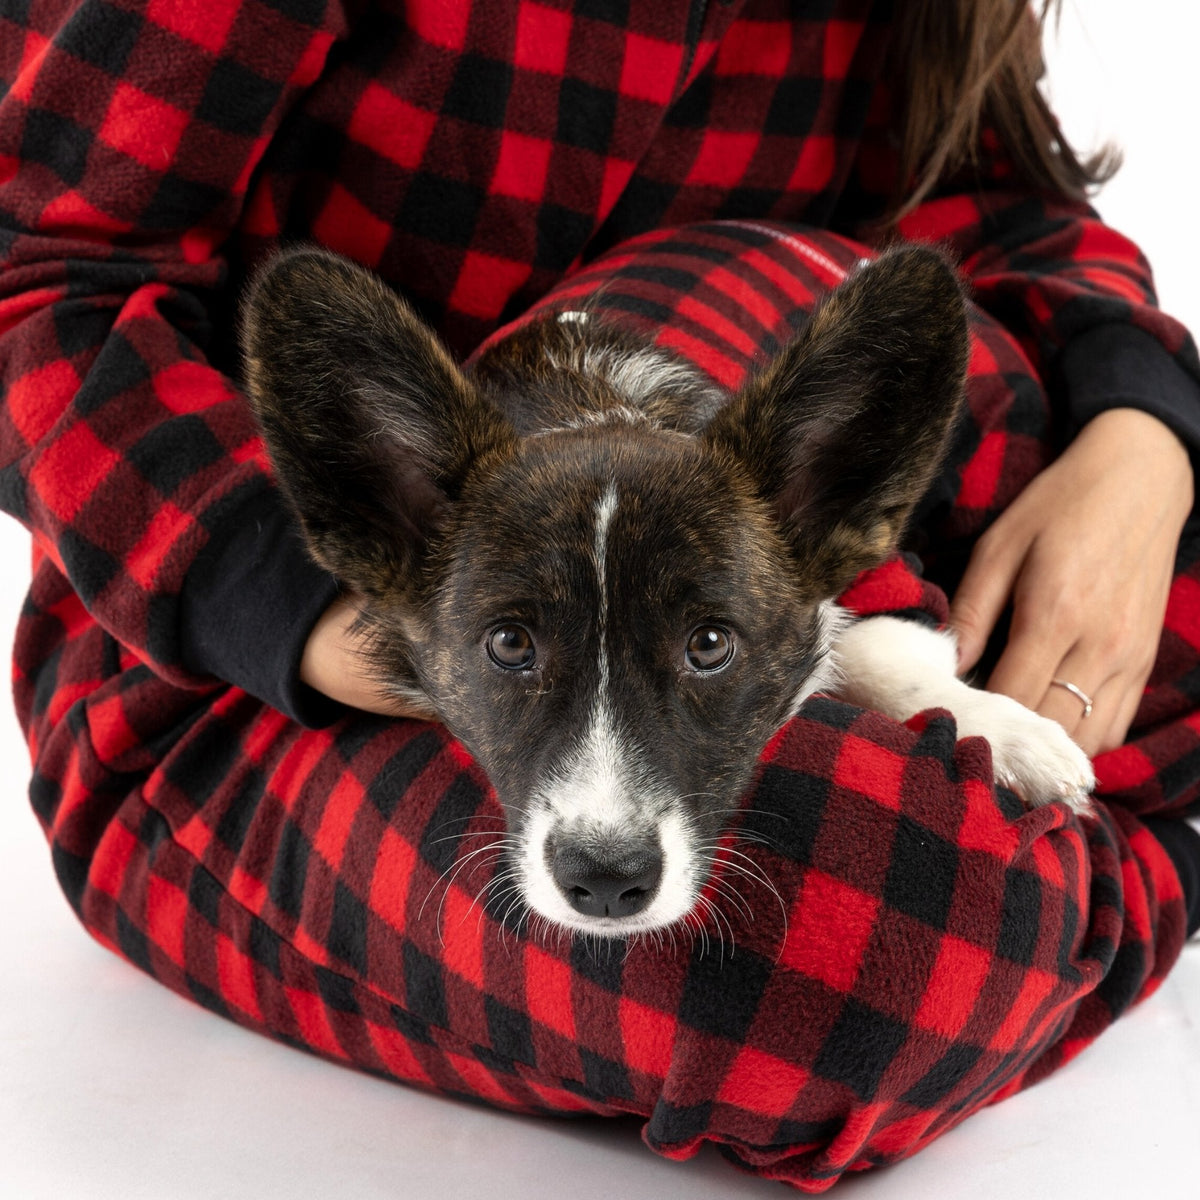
point(110, 1086)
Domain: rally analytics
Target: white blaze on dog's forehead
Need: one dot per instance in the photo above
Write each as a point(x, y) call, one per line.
point(605, 509)
point(597, 792)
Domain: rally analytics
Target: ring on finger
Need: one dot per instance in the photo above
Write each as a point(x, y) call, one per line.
point(1078, 693)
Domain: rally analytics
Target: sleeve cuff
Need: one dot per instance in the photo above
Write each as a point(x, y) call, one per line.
point(250, 600)
point(1121, 366)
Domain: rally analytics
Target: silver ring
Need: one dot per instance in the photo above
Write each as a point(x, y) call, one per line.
point(1078, 693)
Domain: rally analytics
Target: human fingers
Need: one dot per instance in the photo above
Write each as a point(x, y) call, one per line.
point(335, 663)
point(1100, 704)
point(985, 589)
point(1039, 639)
point(1087, 707)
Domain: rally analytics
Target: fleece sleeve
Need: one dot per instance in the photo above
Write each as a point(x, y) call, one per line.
point(128, 137)
point(1078, 295)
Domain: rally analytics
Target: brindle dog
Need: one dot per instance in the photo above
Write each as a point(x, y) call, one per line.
point(611, 580)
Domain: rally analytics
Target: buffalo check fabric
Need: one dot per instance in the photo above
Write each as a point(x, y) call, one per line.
point(927, 947)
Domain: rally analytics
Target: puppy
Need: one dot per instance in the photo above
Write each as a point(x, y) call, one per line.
point(612, 580)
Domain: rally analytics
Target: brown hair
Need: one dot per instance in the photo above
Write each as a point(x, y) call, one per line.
point(959, 66)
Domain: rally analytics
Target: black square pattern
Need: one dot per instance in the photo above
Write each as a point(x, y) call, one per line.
point(1022, 918)
point(586, 115)
point(100, 34)
point(721, 995)
point(237, 99)
point(921, 874)
point(56, 142)
point(860, 1048)
point(175, 451)
point(479, 91)
point(443, 210)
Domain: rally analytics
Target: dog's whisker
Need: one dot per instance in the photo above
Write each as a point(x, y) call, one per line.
point(448, 877)
point(441, 903)
point(727, 853)
point(707, 943)
point(754, 872)
point(467, 820)
point(458, 837)
point(725, 889)
point(491, 886)
point(718, 916)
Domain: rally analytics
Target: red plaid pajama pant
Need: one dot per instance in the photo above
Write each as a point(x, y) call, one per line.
point(924, 946)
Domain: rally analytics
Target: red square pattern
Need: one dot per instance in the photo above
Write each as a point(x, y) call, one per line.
point(143, 126)
point(346, 225)
point(166, 917)
point(461, 930)
point(814, 167)
point(521, 166)
point(722, 158)
point(394, 864)
point(1036, 987)
point(337, 820)
point(35, 400)
point(651, 68)
point(1183, 610)
point(236, 973)
point(391, 126)
point(831, 924)
point(167, 528)
point(543, 35)
point(981, 476)
point(486, 283)
point(443, 24)
point(71, 469)
point(189, 387)
point(872, 770)
point(841, 43)
point(548, 992)
point(206, 24)
point(761, 48)
point(648, 1036)
point(762, 1083)
point(954, 985)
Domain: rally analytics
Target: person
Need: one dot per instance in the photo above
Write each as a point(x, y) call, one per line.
point(223, 808)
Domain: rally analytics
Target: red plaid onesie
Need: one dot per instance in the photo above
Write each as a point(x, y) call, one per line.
point(303, 870)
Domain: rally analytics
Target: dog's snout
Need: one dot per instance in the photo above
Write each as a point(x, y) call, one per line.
point(603, 887)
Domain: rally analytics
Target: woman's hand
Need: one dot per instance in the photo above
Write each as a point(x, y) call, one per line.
point(333, 662)
point(1086, 555)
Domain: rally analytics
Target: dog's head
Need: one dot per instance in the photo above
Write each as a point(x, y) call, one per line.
point(612, 616)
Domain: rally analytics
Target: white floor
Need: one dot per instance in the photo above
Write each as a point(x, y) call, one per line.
point(112, 1087)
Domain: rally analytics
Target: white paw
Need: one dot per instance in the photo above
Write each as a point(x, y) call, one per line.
point(1031, 754)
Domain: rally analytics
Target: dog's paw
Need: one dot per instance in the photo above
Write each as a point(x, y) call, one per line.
point(1031, 754)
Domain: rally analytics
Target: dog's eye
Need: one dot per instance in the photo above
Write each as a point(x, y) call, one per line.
point(709, 648)
point(511, 647)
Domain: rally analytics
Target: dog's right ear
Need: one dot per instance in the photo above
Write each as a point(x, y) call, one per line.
point(370, 425)
point(845, 430)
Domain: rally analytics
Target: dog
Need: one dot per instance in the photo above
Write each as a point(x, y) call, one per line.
point(612, 580)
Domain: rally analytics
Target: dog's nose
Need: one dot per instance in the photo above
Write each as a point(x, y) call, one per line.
point(600, 888)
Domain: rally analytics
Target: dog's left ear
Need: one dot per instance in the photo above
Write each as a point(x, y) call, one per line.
point(845, 430)
point(370, 425)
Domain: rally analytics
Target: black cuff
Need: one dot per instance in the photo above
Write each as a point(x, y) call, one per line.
point(250, 601)
point(1121, 366)
point(1182, 844)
